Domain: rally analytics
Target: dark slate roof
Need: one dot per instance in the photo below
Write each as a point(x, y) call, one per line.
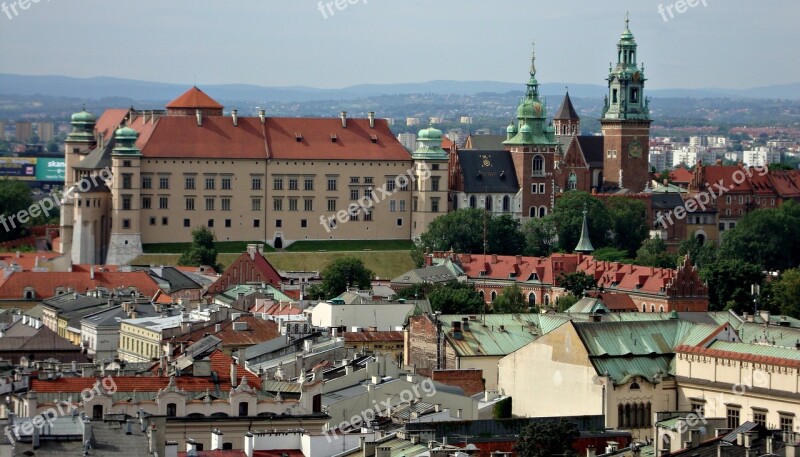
point(98, 158)
point(592, 147)
point(666, 201)
point(488, 171)
point(487, 142)
point(435, 274)
point(177, 280)
point(566, 111)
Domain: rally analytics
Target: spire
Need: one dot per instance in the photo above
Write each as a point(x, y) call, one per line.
point(533, 59)
point(533, 84)
point(566, 111)
point(585, 244)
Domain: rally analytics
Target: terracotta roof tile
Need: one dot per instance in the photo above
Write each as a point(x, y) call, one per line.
point(372, 337)
point(258, 331)
point(46, 283)
point(192, 99)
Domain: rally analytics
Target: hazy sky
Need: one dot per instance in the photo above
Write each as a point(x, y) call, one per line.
point(724, 43)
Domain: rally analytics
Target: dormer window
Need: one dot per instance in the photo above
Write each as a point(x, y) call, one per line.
point(298, 137)
point(374, 139)
point(333, 138)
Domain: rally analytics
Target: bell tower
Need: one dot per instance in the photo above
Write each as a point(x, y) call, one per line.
point(625, 121)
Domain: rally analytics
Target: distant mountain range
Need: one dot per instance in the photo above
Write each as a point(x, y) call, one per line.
point(100, 87)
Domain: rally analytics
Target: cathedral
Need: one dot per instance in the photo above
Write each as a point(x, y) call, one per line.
point(523, 173)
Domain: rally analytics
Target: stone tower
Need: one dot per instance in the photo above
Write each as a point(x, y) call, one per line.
point(625, 121)
point(126, 238)
point(430, 191)
point(80, 141)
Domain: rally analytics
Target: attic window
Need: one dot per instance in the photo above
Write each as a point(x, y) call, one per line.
point(374, 139)
point(533, 277)
point(479, 175)
point(483, 273)
point(298, 137)
point(512, 275)
point(333, 138)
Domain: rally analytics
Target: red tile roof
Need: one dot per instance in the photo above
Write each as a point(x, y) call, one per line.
point(218, 453)
point(279, 453)
point(46, 283)
point(789, 363)
point(27, 260)
point(248, 269)
point(277, 138)
point(110, 121)
point(680, 175)
point(372, 337)
point(258, 331)
point(616, 302)
point(192, 99)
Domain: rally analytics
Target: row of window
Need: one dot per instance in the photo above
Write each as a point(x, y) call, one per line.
point(634, 415)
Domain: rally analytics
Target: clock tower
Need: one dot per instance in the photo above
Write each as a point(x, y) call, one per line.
point(625, 122)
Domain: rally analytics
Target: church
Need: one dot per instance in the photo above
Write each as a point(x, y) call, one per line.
point(522, 173)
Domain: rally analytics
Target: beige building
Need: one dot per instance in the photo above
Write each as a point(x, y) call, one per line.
point(273, 180)
point(46, 131)
point(23, 131)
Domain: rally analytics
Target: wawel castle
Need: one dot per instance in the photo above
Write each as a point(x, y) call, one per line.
point(281, 180)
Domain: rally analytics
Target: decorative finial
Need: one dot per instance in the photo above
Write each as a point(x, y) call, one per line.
point(627, 19)
point(567, 88)
point(533, 58)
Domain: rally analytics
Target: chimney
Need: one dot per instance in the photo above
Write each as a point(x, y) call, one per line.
point(790, 439)
point(262, 115)
point(91, 273)
point(371, 116)
point(344, 119)
point(383, 452)
point(199, 115)
point(217, 328)
point(695, 438)
point(216, 439)
point(494, 259)
point(233, 375)
point(235, 116)
point(368, 448)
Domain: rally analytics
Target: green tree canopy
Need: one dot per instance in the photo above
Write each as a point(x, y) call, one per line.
point(629, 218)
point(786, 292)
point(202, 250)
point(568, 218)
point(16, 197)
point(576, 283)
point(729, 282)
point(611, 254)
point(510, 300)
point(766, 238)
point(504, 236)
point(456, 298)
point(343, 273)
point(653, 253)
point(548, 439)
point(540, 236)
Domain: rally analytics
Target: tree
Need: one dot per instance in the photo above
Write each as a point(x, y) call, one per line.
point(653, 253)
point(456, 298)
point(610, 254)
point(701, 254)
point(787, 293)
point(766, 238)
point(510, 300)
point(568, 218)
point(16, 199)
point(419, 290)
point(52, 146)
point(202, 250)
point(503, 236)
point(565, 302)
point(540, 236)
point(548, 438)
point(343, 273)
point(780, 166)
point(629, 218)
point(729, 282)
point(576, 283)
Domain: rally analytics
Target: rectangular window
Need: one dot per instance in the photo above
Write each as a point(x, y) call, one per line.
point(534, 188)
point(211, 182)
point(226, 183)
point(368, 180)
point(292, 204)
point(399, 222)
point(209, 204)
point(728, 199)
point(293, 184)
point(255, 204)
point(147, 182)
point(367, 192)
point(256, 223)
point(402, 206)
point(126, 163)
point(699, 408)
point(126, 223)
point(278, 223)
point(367, 215)
point(331, 205)
point(733, 417)
point(435, 183)
point(392, 206)
point(331, 184)
point(277, 184)
point(277, 204)
point(435, 166)
point(390, 185)
point(256, 183)
point(190, 204)
point(127, 181)
point(189, 182)
point(163, 202)
point(164, 221)
point(355, 180)
point(186, 223)
point(226, 204)
point(308, 204)
point(146, 202)
point(760, 417)
point(163, 182)
point(303, 223)
point(126, 203)
point(210, 223)
point(153, 221)
point(308, 184)
point(435, 205)
point(354, 194)
point(541, 188)
point(786, 423)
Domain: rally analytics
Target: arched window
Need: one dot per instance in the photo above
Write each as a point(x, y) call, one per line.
point(538, 165)
point(532, 299)
point(506, 203)
point(652, 308)
point(29, 293)
point(661, 309)
point(494, 295)
point(644, 307)
point(628, 416)
point(642, 417)
point(572, 182)
point(473, 202)
point(488, 202)
point(483, 298)
point(546, 300)
point(647, 414)
point(543, 211)
point(532, 212)
point(620, 416)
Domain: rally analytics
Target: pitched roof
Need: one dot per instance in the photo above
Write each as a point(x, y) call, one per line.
point(26, 260)
point(592, 147)
point(566, 111)
point(485, 142)
point(488, 171)
point(194, 98)
point(757, 353)
point(433, 274)
point(372, 337)
point(680, 175)
point(46, 283)
point(258, 330)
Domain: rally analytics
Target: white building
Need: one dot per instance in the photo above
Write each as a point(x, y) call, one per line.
point(408, 140)
point(380, 315)
point(412, 121)
point(683, 156)
point(761, 156)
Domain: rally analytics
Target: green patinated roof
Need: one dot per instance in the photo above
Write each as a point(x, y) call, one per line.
point(697, 334)
point(230, 295)
point(588, 305)
point(485, 338)
point(757, 349)
point(623, 369)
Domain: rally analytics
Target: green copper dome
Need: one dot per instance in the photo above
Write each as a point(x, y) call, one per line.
point(83, 124)
point(126, 142)
point(83, 117)
point(126, 133)
point(430, 133)
point(511, 128)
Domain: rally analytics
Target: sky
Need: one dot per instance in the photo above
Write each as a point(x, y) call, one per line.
point(733, 44)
